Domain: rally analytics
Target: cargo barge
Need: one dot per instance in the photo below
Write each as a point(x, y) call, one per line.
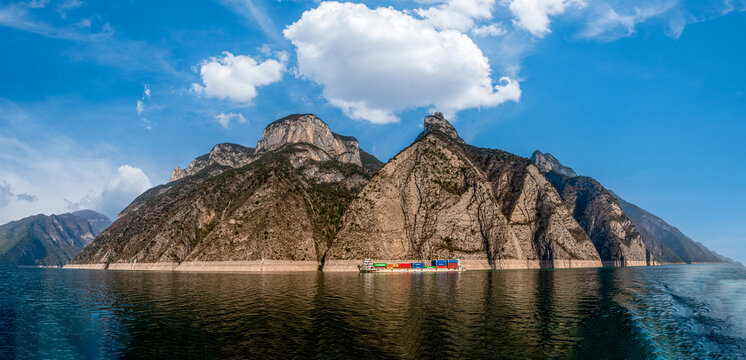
point(369, 266)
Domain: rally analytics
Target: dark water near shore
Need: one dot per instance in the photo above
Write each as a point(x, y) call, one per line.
point(691, 311)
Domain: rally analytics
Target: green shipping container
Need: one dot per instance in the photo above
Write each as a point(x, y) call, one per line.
point(379, 265)
point(429, 267)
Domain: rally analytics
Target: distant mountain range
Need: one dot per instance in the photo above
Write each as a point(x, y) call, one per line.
point(307, 195)
point(604, 214)
point(52, 240)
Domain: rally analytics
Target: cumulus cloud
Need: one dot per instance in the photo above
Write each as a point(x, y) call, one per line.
point(118, 191)
point(52, 175)
point(533, 15)
point(460, 15)
point(224, 119)
point(374, 63)
point(236, 77)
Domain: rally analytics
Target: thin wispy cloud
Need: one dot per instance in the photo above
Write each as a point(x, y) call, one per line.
point(254, 13)
point(101, 45)
point(17, 17)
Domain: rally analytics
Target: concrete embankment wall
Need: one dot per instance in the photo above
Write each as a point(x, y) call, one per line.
point(209, 266)
point(340, 265)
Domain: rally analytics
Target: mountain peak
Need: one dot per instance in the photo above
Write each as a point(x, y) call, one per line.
point(225, 154)
point(437, 122)
point(546, 163)
point(309, 129)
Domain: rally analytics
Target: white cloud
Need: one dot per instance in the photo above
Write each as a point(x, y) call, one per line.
point(62, 175)
point(376, 62)
point(489, 30)
point(118, 191)
point(533, 15)
point(609, 24)
point(255, 15)
point(458, 15)
point(6, 195)
point(141, 101)
point(224, 119)
point(236, 77)
point(140, 107)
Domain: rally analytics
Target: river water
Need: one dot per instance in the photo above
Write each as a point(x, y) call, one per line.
point(685, 311)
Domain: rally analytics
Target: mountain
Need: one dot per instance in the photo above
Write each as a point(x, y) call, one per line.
point(442, 198)
point(665, 241)
point(598, 213)
point(280, 201)
point(307, 198)
point(619, 229)
point(231, 155)
point(99, 222)
point(49, 240)
point(548, 163)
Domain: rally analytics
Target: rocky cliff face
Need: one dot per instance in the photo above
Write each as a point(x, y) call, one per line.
point(285, 203)
point(49, 240)
point(441, 198)
point(309, 129)
point(617, 240)
point(548, 163)
point(615, 237)
point(229, 155)
point(320, 144)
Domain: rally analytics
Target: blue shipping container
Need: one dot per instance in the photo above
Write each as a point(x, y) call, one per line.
point(453, 261)
point(440, 263)
point(418, 265)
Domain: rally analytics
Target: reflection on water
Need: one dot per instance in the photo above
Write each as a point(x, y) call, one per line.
point(676, 311)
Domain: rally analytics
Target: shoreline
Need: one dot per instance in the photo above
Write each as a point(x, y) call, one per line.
point(259, 266)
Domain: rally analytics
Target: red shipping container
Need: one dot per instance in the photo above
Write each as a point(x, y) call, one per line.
point(441, 267)
point(405, 266)
point(453, 265)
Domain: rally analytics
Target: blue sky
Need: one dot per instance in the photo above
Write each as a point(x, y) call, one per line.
point(100, 100)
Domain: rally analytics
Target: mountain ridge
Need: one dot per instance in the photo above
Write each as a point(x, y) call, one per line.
point(308, 198)
point(662, 241)
point(49, 240)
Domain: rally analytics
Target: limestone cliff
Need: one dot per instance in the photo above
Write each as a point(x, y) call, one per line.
point(283, 201)
point(547, 162)
point(617, 240)
point(230, 155)
point(309, 129)
point(595, 208)
point(321, 144)
point(441, 198)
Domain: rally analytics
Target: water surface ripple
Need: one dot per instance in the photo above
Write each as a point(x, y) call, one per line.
point(692, 311)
